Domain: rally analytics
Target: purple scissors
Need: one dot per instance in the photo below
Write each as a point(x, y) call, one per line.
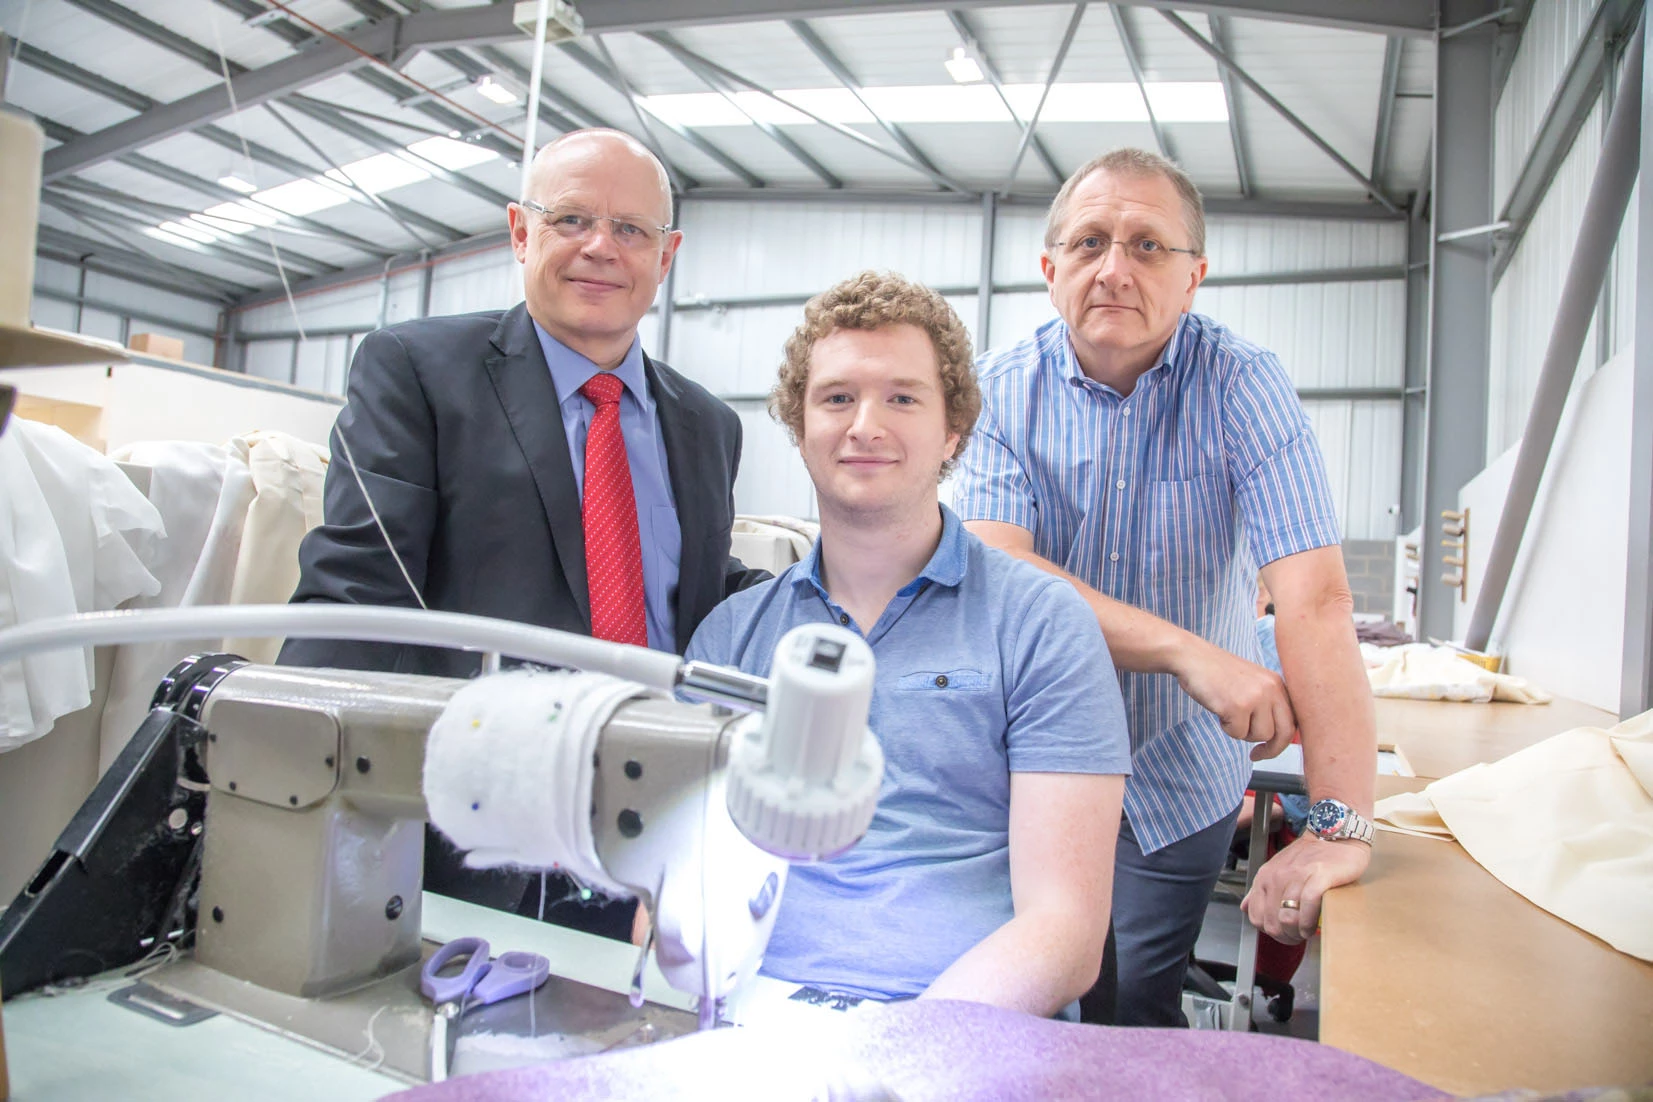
point(480, 982)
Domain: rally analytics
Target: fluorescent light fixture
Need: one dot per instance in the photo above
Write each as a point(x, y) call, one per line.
point(301, 197)
point(962, 67)
point(377, 173)
point(450, 154)
point(489, 87)
point(236, 183)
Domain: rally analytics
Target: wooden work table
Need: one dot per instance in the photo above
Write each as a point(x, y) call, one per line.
point(1433, 967)
point(1439, 738)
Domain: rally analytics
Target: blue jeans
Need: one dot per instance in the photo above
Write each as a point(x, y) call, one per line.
point(1159, 904)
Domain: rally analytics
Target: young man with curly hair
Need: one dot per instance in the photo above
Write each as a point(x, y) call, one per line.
point(989, 859)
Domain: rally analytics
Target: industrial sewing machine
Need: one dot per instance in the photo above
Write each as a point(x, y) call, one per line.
point(273, 818)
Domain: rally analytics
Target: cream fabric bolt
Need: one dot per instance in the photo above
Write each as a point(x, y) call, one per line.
point(235, 514)
point(509, 769)
point(288, 477)
point(73, 532)
point(1567, 823)
point(1419, 671)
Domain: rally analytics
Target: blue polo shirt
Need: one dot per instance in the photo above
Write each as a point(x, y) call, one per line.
point(986, 666)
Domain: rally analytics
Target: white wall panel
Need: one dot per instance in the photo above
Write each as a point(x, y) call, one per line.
point(1235, 245)
point(490, 280)
point(736, 249)
point(772, 479)
point(1524, 302)
point(1553, 32)
point(1326, 334)
point(1361, 442)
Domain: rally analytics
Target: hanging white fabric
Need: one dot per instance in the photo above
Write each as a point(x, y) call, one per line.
point(75, 536)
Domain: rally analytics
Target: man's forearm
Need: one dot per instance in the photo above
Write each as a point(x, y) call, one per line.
point(1138, 641)
point(1333, 701)
point(1034, 963)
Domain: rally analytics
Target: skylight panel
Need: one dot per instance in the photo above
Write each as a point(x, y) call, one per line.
point(938, 103)
point(1080, 102)
point(235, 217)
point(171, 238)
point(695, 109)
point(833, 104)
point(452, 155)
point(1188, 101)
point(380, 172)
point(301, 197)
point(189, 230)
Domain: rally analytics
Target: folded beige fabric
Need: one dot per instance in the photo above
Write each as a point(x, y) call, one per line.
point(288, 479)
point(1423, 672)
point(1568, 823)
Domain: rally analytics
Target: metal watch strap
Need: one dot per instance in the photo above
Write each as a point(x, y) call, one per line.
point(1356, 827)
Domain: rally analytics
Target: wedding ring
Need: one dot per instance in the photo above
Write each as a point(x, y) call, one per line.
point(1288, 905)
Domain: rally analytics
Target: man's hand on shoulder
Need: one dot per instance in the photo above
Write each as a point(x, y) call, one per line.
point(1301, 873)
point(1251, 702)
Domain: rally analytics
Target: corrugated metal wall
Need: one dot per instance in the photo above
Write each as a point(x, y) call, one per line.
point(1336, 335)
point(1552, 34)
point(1525, 298)
point(57, 285)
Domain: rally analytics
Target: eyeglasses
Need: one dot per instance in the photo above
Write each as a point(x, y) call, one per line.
point(1145, 252)
point(577, 225)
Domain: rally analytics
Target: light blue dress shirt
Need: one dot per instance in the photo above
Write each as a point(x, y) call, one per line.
point(1169, 500)
point(985, 666)
point(651, 485)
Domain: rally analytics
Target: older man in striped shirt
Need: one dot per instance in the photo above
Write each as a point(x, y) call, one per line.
point(1157, 460)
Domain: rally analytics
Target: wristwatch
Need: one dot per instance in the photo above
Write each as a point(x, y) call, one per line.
point(1334, 820)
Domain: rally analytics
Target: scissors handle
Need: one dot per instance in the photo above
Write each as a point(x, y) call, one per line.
point(514, 973)
point(448, 989)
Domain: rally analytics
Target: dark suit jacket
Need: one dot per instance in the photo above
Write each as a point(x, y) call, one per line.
point(454, 425)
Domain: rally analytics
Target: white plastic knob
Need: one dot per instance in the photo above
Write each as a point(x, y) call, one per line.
point(804, 779)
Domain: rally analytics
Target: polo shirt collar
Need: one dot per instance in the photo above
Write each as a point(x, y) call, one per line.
point(946, 566)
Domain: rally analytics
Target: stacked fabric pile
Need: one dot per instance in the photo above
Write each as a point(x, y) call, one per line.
point(1420, 671)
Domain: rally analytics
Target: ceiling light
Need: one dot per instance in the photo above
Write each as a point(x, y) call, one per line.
point(962, 67)
point(489, 88)
point(236, 183)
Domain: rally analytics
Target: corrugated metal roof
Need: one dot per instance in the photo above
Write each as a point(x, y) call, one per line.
point(1331, 78)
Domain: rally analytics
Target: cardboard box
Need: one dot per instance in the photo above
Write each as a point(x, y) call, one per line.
point(156, 345)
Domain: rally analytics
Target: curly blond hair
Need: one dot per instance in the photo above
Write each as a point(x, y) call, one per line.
point(873, 300)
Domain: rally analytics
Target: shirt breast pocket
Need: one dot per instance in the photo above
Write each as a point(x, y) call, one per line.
point(955, 681)
point(1190, 531)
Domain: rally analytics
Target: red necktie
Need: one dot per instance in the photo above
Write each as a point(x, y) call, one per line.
point(613, 552)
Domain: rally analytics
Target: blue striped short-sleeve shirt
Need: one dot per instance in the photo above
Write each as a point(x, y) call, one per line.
point(1154, 499)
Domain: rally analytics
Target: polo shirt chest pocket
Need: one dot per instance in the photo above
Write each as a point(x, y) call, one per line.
point(1190, 527)
point(936, 681)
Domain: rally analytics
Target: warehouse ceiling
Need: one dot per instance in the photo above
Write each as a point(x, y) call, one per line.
point(226, 147)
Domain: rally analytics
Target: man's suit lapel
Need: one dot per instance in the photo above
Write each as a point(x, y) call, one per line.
point(691, 489)
point(522, 380)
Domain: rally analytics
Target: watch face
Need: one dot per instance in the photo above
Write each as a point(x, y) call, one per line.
point(1326, 817)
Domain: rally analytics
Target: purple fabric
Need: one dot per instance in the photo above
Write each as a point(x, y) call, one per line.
point(948, 1050)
